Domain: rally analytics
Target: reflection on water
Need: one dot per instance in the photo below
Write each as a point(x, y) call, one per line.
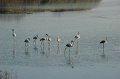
point(8, 74)
point(65, 24)
point(26, 51)
point(103, 56)
point(35, 49)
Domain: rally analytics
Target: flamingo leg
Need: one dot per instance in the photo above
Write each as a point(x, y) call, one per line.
point(65, 52)
point(25, 44)
point(58, 50)
point(49, 46)
point(26, 50)
point(69, 56)
point(77, 50)
point(13, 45)
point(43, 46)
point(35, 42)
point(103, 48)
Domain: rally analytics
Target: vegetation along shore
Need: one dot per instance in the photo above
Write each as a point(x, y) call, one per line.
point(30, 6)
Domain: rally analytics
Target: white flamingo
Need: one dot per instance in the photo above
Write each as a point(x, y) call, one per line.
point(13, 35)
point(58, 43)
point(77, 37)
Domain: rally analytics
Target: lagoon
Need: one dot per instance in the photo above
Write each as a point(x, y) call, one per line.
point(94, 25)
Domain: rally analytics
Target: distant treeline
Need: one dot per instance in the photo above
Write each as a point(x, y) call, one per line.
point(3, 2)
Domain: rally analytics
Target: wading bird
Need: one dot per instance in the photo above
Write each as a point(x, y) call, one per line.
point(58, 44)
point(48, 38)
point(103, 42)
point(27, 41)
point(42, 44)
point(26, 45)
point(77, 37)
point(34, 42)
point(69, 45)
point(13, 35)
point(34, 39)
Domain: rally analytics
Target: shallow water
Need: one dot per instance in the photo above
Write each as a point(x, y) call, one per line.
point(87, 63)
point(94, 25)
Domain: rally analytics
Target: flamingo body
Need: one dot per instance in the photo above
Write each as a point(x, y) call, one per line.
point(35, 37)
point(42, 39)
point(13, 33)
point(77, 36)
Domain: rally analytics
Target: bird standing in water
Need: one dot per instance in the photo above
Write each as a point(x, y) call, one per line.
point(27, 41)
point(34, 43)
point(13, 35)
point(58, 44)
point(69, 45)
point(48, 38)
point(42, 45)
point(103, 42)
point(26, 45)
point(34, 39)
point(77, 37)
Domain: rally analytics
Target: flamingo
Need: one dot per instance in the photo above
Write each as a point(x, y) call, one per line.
point(58, 41)
point(34, 42)
point(103, 42)
point(27, 41)
point(26, 45)
point(77, 37)
point(34, 39)
point(13, 35)
point(69, 45)
point(48, 38)
point(42, 44)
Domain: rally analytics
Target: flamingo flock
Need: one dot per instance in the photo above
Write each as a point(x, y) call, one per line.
point(46, 40)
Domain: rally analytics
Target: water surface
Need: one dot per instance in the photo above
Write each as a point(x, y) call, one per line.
point(94, 25)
